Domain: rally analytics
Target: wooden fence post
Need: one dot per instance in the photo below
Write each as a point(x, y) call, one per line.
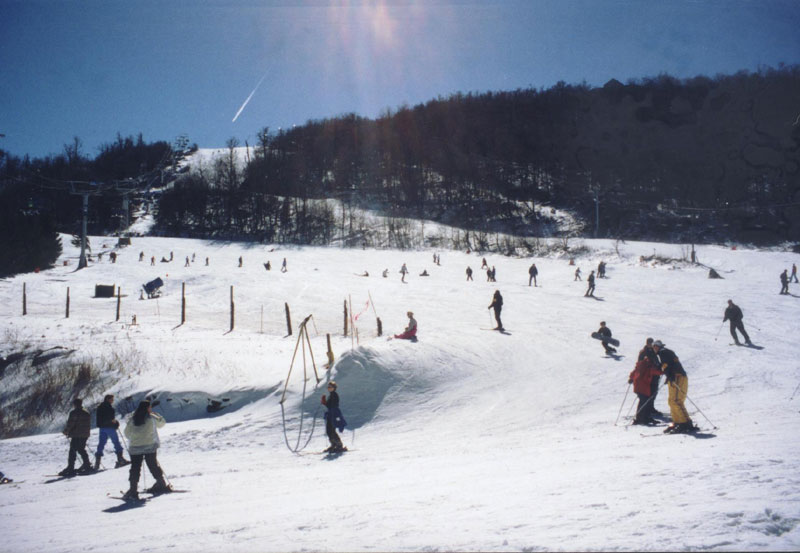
point(183, 302)
point(232, 309)
point(345, 317)
point(67, 302)
point(25, 299)
point(288, 320)
point(330, 351)
point(119, 299)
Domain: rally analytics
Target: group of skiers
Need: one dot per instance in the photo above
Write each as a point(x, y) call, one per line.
point(654, 360)
point(141, 431)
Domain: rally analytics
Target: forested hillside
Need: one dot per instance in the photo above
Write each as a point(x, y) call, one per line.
point(702, 160)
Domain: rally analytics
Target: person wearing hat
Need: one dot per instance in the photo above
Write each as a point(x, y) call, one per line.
point(142, 433)
point(107, 424)
point(77, 429)
point(333, 419)
point(411, 330)
point(678, 384)
point(733, 313)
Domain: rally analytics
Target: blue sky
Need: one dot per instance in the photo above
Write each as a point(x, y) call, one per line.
point(95, 68)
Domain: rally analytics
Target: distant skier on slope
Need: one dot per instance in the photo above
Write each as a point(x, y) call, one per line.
point(333, 419)
point(590, 289)
point(410, 333)
point(784, 282)
point(497, 305)
point(577, 274)
point(469, 272)
point(678, 389)
point(733, 313)
point(403, 272)
point(532, 272)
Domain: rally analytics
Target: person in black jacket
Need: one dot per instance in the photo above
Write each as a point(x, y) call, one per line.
point(590, 289)
point(497, 305)
point(606, 332)
point(77, 429)
point(678, 389)
point(332, 403)
point(107, 424)
point(532, 272)
point(784, 282)
point(734, 314)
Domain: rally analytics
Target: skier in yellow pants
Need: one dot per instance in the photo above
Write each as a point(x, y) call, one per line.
point(678, 389)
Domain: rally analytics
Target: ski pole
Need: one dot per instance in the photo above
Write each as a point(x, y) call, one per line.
point(701, 412)
point(623, 403)
point(718, 331)
point(795, 392)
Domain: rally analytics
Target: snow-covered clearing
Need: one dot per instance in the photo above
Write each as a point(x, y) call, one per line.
point(466, 440)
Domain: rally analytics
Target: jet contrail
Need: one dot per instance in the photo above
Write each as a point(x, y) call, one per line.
point(238, 113)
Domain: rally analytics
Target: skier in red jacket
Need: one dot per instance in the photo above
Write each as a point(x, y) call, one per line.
point(641, 377)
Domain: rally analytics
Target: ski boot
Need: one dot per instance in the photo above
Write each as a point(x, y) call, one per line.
point(5, 480)
point(97, 459)
point(160, 487)
point(67, 472)
point(131, 495)
point(121, 461)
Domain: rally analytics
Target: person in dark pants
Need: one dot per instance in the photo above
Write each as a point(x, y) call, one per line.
point(645, 372)
point(77, 429)
point(497, 305)
point(333, 417)
point(590, 289)
point(733, 313)
point(648, 352)
point(606, 332)
point(784, 282)
point(469, 273)
point(107, 424)
point(142, 433)
point(532, 272)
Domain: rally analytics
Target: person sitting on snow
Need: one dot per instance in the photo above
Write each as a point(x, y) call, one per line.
point(411, 330)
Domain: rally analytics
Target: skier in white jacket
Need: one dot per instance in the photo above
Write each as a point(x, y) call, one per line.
point(142, 433)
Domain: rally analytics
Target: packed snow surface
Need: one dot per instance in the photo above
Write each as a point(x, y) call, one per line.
point(469, 439)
